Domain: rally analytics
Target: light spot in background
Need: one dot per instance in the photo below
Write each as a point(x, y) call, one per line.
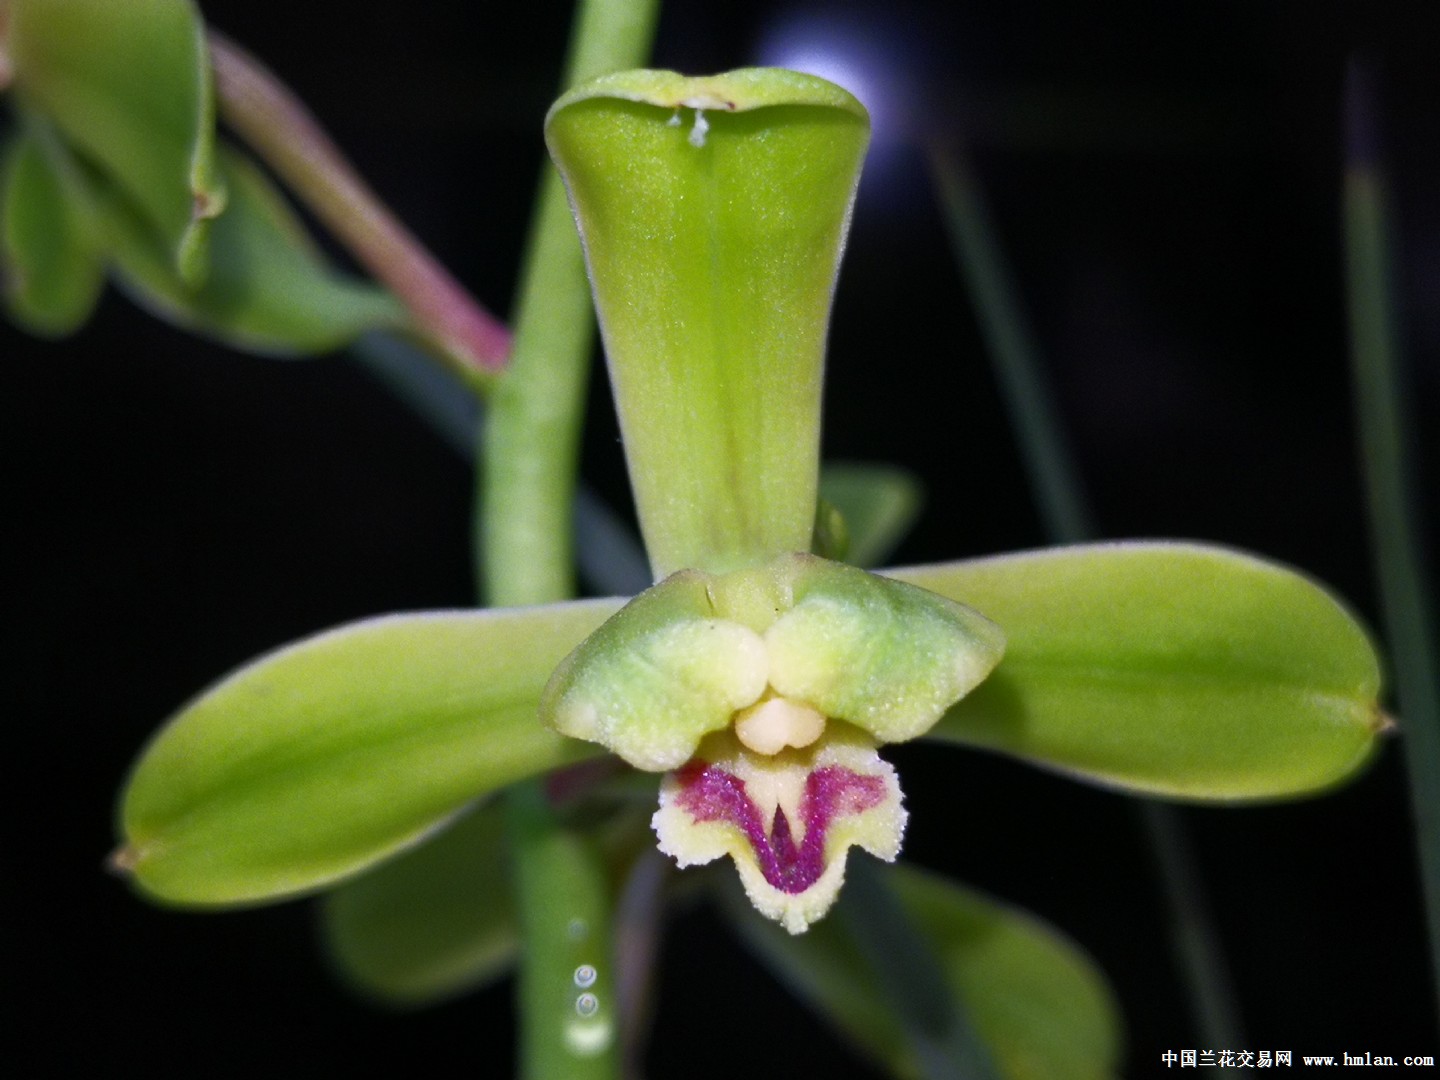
point(865, 52)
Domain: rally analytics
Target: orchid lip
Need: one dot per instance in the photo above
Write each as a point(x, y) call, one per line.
point(787, 820)
point(709, 793)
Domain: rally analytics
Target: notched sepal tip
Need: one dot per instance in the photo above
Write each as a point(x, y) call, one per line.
point(734, 91)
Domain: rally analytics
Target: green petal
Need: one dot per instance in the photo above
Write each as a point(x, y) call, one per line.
point(324, 757)
point(1174, 669)
point(1036, 1000)
point(713, 213)
point(879, 504)
point(658, 676)
point(52, 274)
point(268, 289)
point(128, 84)
point(436, 921)
point(878, 653)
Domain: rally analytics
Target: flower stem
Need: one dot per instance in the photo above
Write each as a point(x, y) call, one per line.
point(1063, 508)
point(567, 979)
point(288, 138)
point(1385, 427)
point(527, 476)
point(530, 442)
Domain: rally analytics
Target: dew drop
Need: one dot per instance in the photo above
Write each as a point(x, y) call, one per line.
point(587, 1004)
point(585, 976)
point(577, 929)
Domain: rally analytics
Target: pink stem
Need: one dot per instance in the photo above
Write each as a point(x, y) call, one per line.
point(289, 139)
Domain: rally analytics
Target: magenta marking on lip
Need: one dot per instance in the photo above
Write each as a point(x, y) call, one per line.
point(709, 793)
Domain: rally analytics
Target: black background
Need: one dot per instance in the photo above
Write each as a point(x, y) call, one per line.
point(1165, 178)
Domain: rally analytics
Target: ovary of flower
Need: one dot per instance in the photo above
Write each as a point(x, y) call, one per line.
point(764, 695)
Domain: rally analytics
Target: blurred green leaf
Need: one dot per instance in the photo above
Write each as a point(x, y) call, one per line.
point(326, 756)
point(713, 213)
point(879, 504)
point(128, 85)
point(438, 920)
point(52, 273)
point(1173, 669)
point(1039, 1004)
point(268, 289)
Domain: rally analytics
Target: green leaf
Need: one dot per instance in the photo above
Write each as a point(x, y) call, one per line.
point(879, 504)
point(52, 274)
point(128, 85)
point(318, 760)
point(1038, 1003)
point(435, 921)
point(1173, 669)
point(875, 653)
point(268, 290)
point(713, 213)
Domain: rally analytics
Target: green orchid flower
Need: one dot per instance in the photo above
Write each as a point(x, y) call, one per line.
point(763, 695)
point(760, 678)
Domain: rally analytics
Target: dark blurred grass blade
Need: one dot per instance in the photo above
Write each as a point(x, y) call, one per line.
point(1384, 428)
point(907, 971)
point(1013, 351)
point(1060, 499)
point(1036, 1007)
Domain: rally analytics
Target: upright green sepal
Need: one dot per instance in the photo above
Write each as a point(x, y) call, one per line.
point(129, 87)
point(713, 213)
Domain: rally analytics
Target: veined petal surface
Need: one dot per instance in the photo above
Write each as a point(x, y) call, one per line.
point(318, 760)
point(1168, 668)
